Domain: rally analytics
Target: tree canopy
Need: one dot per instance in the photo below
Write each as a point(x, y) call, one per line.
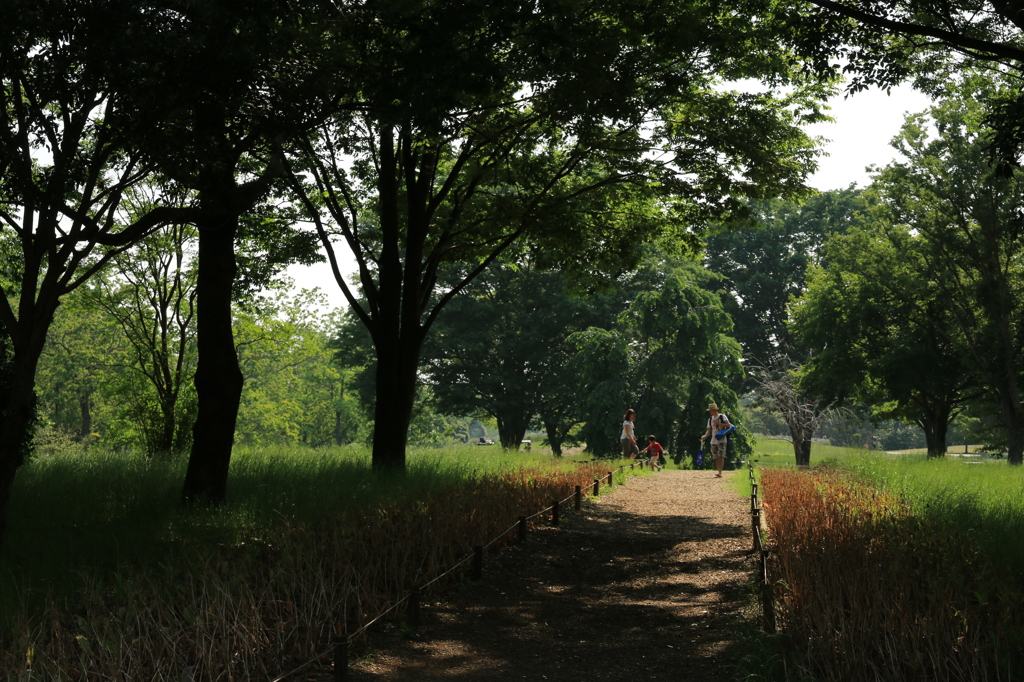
point(763, 267)
point(450, 166)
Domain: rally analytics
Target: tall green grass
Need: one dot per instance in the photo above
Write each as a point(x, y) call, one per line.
point(106, 576)
point(101, 509)
point(983, 500)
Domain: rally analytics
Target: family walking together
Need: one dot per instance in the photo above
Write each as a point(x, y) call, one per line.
point(630, 449)
point(718, 430)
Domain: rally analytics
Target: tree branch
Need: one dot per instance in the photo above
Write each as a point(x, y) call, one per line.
point(955, 40)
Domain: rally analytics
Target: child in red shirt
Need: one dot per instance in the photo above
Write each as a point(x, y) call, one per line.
point(657, 452)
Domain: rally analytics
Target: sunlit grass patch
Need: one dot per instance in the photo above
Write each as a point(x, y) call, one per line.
point(777, 451)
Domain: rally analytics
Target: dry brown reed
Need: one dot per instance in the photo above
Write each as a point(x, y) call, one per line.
point(262, 607)
point(865, 590)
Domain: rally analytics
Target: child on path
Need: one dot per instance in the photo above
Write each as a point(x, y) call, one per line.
point(657, 453)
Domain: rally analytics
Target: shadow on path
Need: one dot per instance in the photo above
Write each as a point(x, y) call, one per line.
point(644, 584)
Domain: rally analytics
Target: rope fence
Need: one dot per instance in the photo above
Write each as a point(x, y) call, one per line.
point(340, 644)
point(767, 594)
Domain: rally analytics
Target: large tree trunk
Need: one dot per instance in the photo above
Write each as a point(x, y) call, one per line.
point(18, 418)
point(935, 424)
point(512, 426)
point(555, 438)
point(1013, 420)
point(395, 382)
point(218, 378)
point(802, 450)
point(1012, 409)
point(1015, 443)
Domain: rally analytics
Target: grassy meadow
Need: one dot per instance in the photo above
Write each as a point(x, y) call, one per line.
point(896, 567)
point(103, 575)
point(779, 452)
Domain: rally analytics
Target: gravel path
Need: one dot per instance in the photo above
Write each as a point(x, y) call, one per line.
point(646, 583)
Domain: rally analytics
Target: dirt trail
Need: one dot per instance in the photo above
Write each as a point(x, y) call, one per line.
point(643, 584)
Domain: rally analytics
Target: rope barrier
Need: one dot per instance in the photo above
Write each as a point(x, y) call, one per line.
point(450, 570)
point(380, 615)
point(540, 513)
point(349, 638)
point(503, 534)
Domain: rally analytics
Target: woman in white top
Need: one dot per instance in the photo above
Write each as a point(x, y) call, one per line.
point(627, 439)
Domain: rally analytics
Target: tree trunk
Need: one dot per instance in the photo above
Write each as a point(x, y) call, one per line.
point(85, 428)
point(168, 427)
point(1013, 418)
point(218, 378)
point(802, 450)
point(395, 382)
point(554, 438)
point(935, 425)
point(8, 468)
point(512, 426)
point(18, 418)
point(1015, 445)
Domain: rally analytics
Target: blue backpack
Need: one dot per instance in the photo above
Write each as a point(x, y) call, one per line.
point(725, 432)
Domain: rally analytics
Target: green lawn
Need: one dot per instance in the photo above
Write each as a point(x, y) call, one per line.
point(982, 498)
point(775, 451)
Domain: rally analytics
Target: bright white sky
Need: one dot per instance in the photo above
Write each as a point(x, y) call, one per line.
point(865, 124)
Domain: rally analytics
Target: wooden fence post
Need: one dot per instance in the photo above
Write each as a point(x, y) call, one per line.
point(522, 529)
point(611, 478)
point(340, 659)
point(478, 563)
point(755, 523)
point(412, 611)
point(597, 487)
point(554, 512)
point(767, 595)
point(579, 498)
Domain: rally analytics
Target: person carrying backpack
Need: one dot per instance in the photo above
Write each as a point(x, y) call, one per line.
point(717, 423)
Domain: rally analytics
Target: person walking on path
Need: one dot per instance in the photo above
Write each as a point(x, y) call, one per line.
point(627, 439)
point(716, 423)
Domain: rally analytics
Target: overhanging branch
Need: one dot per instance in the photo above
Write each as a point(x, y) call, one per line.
point(979, 48)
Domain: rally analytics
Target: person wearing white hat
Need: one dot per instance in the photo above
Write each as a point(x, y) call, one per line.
point(717, 422)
